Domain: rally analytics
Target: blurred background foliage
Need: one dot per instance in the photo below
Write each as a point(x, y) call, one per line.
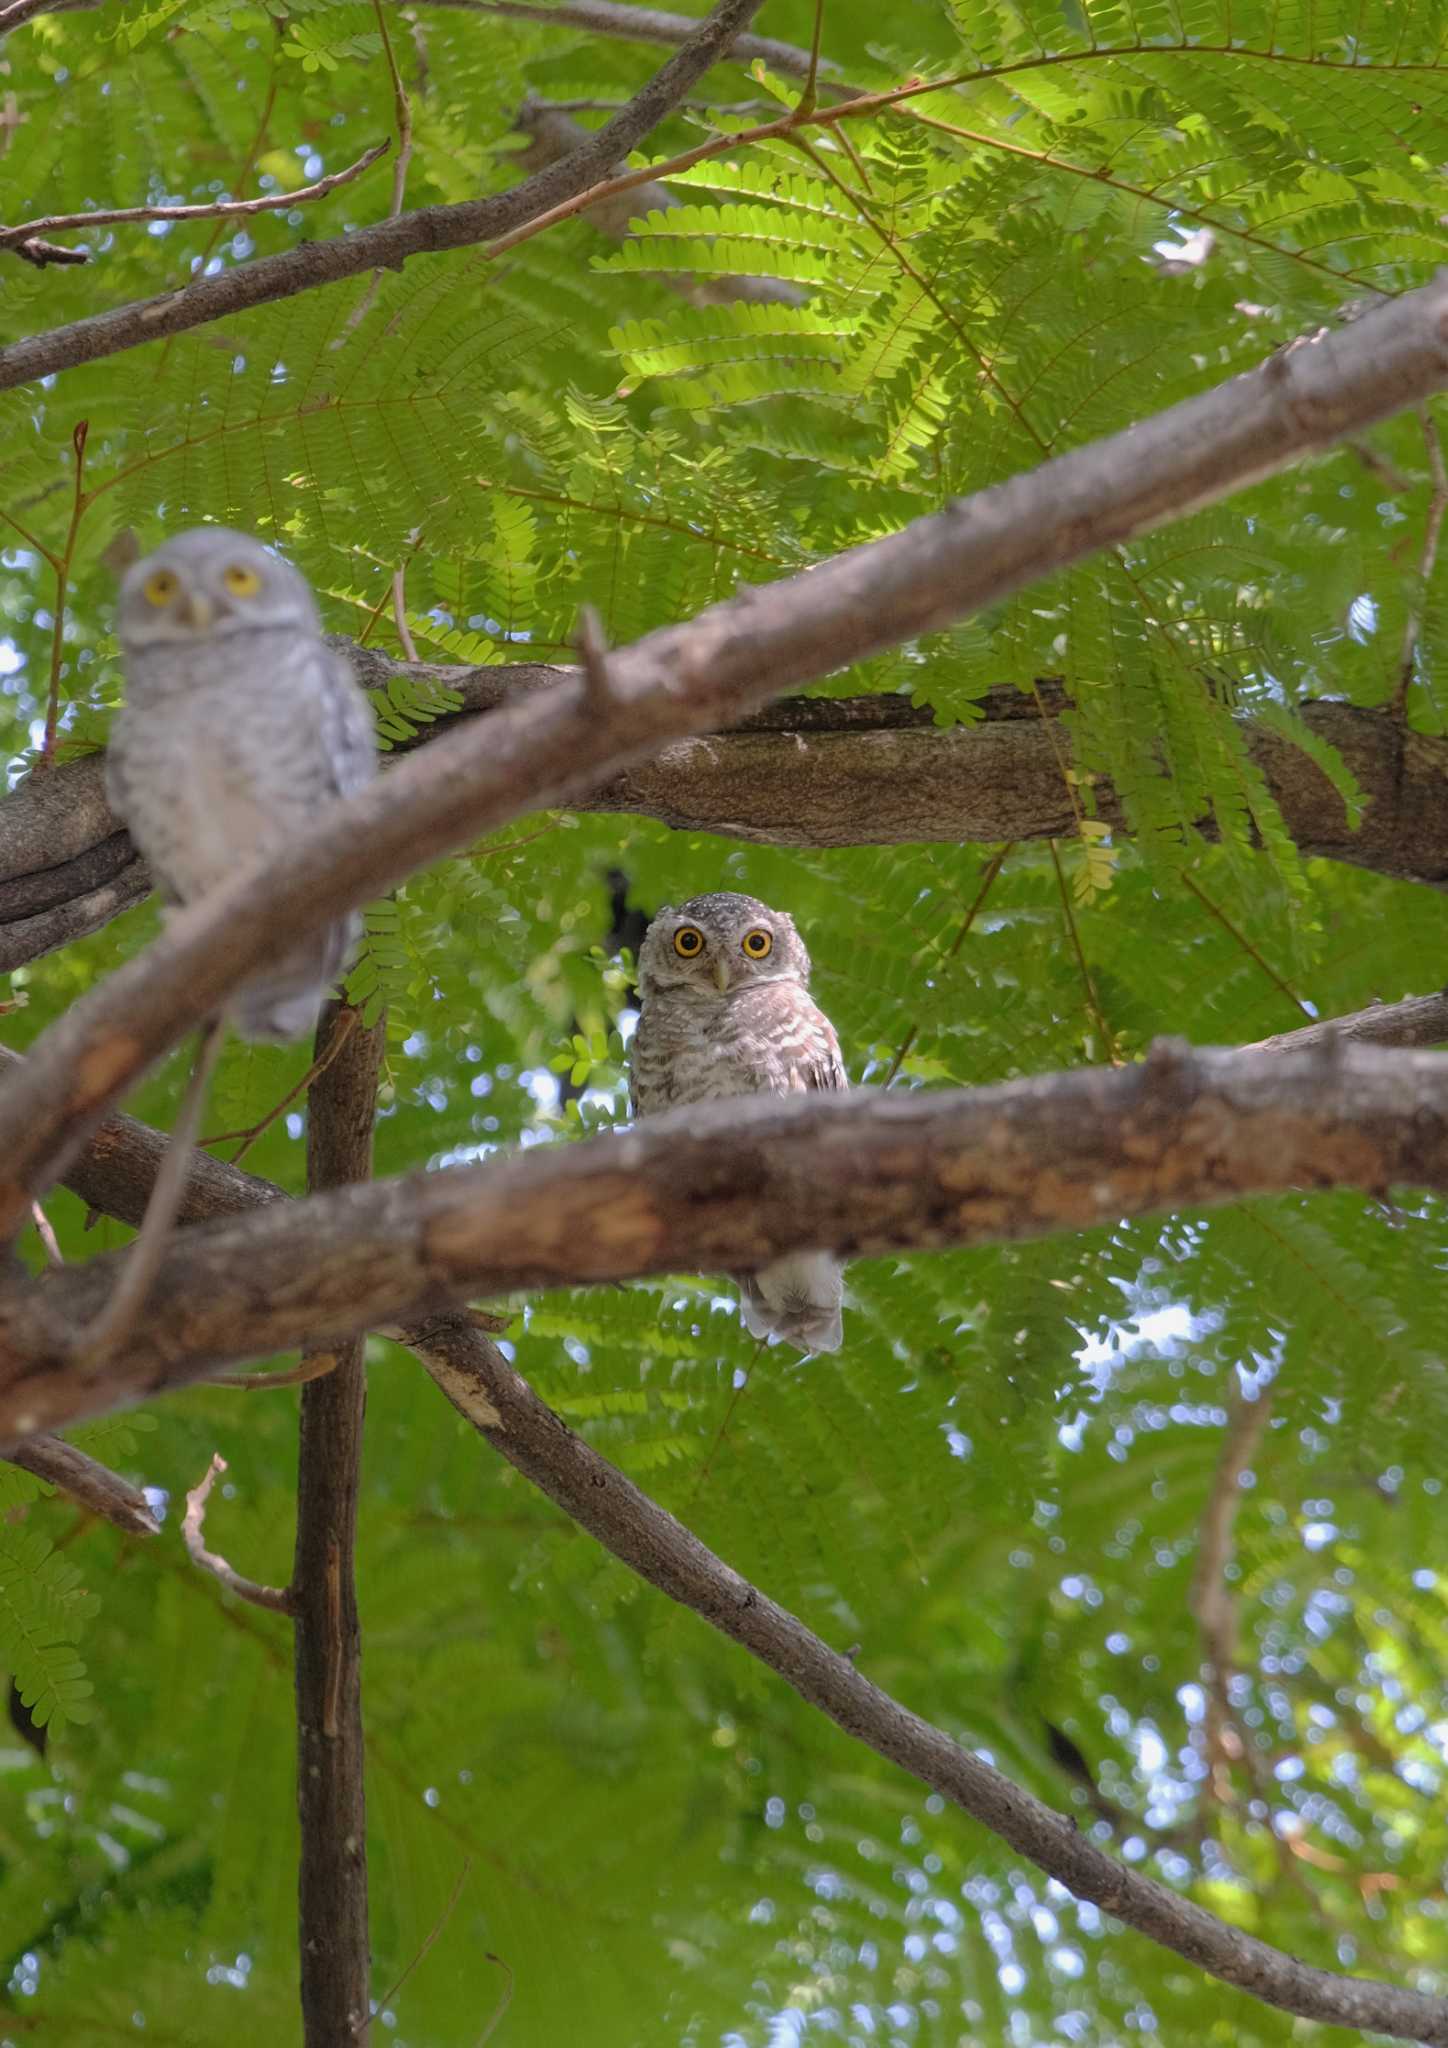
point(580, 1800)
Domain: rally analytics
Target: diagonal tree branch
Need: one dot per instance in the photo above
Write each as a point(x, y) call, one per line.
point(28, 238)
point(19, 11)
point(555, 135)
point(94, 1485)
point(684, 679)
point(387, 244)
point(331, 1808)
point(726, 1187)
point(486, 1390)
point(647, 1539)
point(115, 1172)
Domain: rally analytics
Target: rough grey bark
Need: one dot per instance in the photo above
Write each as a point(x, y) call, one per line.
point(693, 677)
point(809, 771)
point(485, 1389)
point(726, 1187)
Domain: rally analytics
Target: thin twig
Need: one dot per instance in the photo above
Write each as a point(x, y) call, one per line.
point(45, 1231)
point(78, 501)
point(1088, 980)
point(113, 1324)
point(426, 1944)
point(399, 614)
point(86, 1480)
point(402, 115)
point(639, 25)
point(987, 882)
point(734, 1401)
point(807, 97)
point(256, 1130)
point(316, 1365)
point(1427, 561)
point(503, 2003)
point(278, 1598)
point(17, 238)
point(1215, 911)
point(593, 652)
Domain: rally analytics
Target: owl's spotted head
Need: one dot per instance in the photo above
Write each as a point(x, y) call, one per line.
point(208, 583)
point(715, 945)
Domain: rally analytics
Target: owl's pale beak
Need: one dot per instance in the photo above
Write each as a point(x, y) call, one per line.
point(721, 976)
point(195, 609)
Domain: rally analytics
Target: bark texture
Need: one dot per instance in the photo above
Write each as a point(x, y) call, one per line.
point(331, 1806)
point(854, 771)
point(490, 1394)
point(725, 1187)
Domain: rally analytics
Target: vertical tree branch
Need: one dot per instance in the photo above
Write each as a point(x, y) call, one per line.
point(332, 1880)
point(1213, 1601)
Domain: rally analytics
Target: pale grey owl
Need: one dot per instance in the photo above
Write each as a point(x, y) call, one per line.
point(725, 1009)
point(239, 724)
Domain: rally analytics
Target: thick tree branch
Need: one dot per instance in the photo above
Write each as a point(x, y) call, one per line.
point(332, 1879)
point(387, 244)
point(486, 1390)
point(810, 771)
point(94, 1485)
point(115, 1173)
point(684, 679)
point(725, 1187)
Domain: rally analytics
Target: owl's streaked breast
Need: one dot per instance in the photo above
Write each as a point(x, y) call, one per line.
point(753, 1043)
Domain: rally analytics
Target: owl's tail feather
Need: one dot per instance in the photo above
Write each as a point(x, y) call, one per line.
point(797, 1299)
point(283, 1002)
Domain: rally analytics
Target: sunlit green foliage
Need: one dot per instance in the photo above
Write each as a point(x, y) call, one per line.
point(996, 1489)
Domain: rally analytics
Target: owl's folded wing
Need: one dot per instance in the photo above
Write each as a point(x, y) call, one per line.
point(817, 1062)
point(348, 734)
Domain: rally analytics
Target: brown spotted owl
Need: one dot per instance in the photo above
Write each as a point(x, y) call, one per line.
point(725, 1009)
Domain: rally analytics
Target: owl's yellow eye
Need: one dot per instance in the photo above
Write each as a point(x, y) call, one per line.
point(159, 587)
point(757, 944)
point(241, 581)
point(688, 942)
